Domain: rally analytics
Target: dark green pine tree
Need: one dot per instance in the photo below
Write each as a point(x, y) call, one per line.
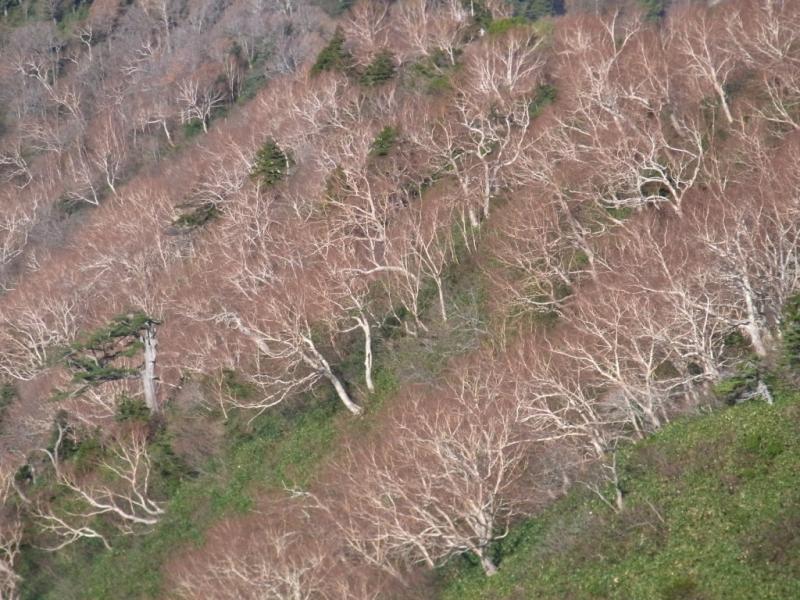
point(536, 9)
point(380, 70)
point(334, 56)
point(271, 164)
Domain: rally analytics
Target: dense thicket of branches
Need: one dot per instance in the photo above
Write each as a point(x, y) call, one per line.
point(628, 181)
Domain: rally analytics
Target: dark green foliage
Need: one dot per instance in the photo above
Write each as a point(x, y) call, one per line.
point(712, 513)
point(62, 9)
point(334, 7)
point(193, 128)
point(92, 358)
point(254, 80)
point(93, 373)
point(197, 217)
point(88, 451)
point(253, 65)
point(69, 443)
point(791, 332)
point(680, 588)
point(380, 70)
point(68, 13)
point(6, 5)
point(384, 141)
point(121, 326)
point(62, 12)
point(536, 9)
point(333, 57)
point(131, 409)
point(742, 382)
point(653, 9)
point(480, 13)
point(271, 164)
point(168, 468)
point(66, 206)
point(236, 387)
point(501, 26)
point(7, 395)
point(431, 73)
point(545, 96)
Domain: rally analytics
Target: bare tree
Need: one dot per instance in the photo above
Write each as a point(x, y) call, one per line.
point(428, 27)
point(13, 165)
point(709, 59)
point(276, 565)
point(271, 302)
point(753, 249)
point(126, 501)
point(16, 224)
point(32, 331)
point(444, 486)
point(10, 538)
point(196, 103)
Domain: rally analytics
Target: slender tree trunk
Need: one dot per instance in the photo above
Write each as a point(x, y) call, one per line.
point(724, 103)
point(489, 567)
point(442, 307)
point(316, 360)
point(364, 324)
point(342, 392)
point(149, 371)
point(474, 221)
point(166, 131)
point(751, 328)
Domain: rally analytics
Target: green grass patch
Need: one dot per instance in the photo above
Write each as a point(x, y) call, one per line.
point(283, 446)
point(710, 503)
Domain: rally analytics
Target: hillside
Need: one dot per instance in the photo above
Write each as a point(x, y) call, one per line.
point(322, 299)
point(711, 511)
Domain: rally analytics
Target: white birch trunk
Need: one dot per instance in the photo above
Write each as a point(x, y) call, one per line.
point(149, 370)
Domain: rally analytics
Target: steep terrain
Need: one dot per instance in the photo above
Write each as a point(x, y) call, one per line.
point(414, 299)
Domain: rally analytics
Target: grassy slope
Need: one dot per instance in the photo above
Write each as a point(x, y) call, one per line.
point(284, 446)
point(712, 511)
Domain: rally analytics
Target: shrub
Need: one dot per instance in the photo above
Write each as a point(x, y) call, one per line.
point(545, 95)
point(501, 26)
point(92, 360)
point(67, 206)
point(237, 387)
point(791, 332)
point(481, 15)
point(7, 395)
point(380, 70)
point(737, 385)
point(131, 409)
point(333, 57)
point(536, 9)
point(196, 217)
point(430, 74)
point(193, 128)
point(334, 8)
point(653, 9)
point(384, 141)
point(271, 164)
